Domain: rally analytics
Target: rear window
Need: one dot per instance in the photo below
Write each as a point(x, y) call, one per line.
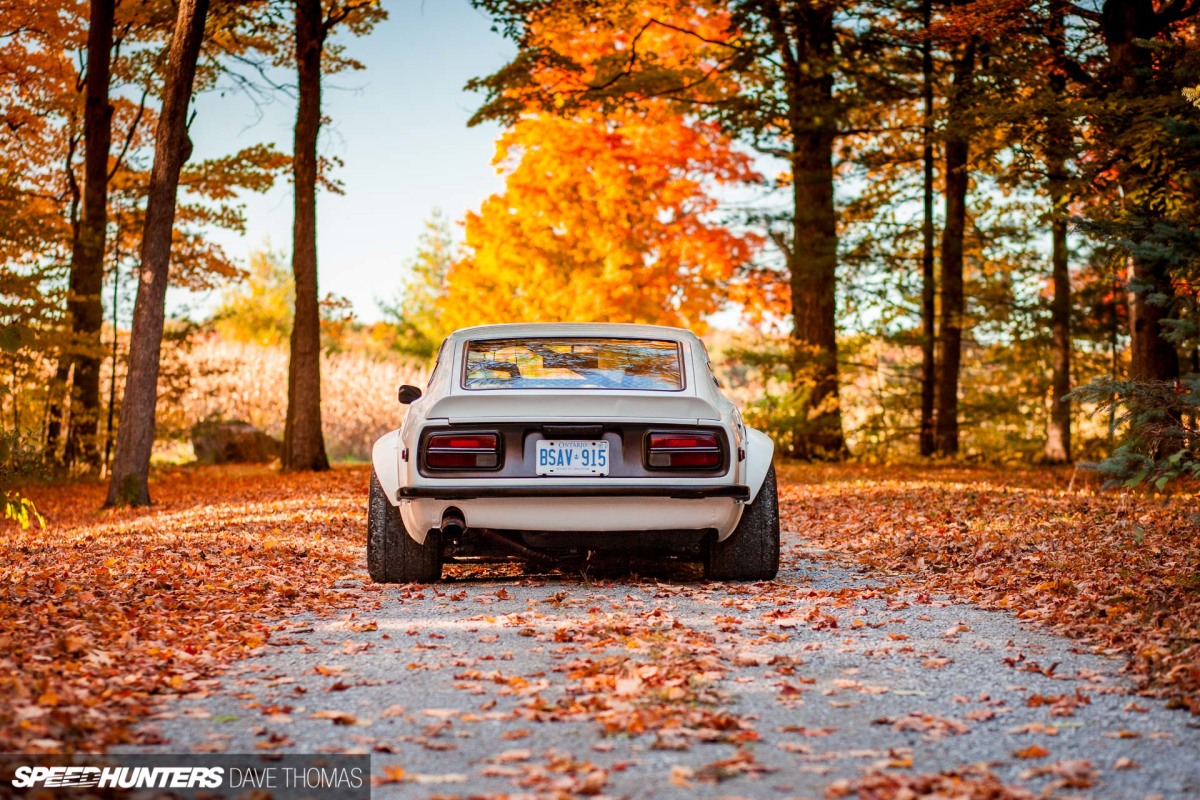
point(574, 363)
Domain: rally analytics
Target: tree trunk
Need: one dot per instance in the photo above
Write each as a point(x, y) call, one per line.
point(958, 179)
point(303, 442)
point(1058, 434)
point(84, 306)
point(928, 278)
point(1125, 23)
point(1058, 150)
point(1151, 356)
point(129, 480)
point(60, 389)
point(804, 38)
point(813, 278)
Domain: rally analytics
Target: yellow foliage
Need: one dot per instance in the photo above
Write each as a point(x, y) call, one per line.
point(259, 311)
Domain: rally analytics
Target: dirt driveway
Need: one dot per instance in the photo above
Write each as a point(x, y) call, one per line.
point(825, 681)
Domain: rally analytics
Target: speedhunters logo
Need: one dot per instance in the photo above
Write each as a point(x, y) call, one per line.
point(119, 777)
point(195, 776)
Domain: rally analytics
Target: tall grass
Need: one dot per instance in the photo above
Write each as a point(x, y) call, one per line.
point(211, 378)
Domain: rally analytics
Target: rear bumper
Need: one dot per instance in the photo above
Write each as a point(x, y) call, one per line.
point(674, 492)
point(550, 510)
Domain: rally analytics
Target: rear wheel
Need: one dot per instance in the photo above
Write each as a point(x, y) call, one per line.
point(392, 555)
point(751, 552)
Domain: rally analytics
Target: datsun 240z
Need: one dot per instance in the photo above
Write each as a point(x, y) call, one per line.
point(549, 442)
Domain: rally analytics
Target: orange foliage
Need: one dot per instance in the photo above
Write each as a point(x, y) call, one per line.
point(40, 80)
point(41, 45)
point(608, 214)
point(602, 219)
point(667, 44)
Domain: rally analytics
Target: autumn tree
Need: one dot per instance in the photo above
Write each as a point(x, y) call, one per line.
point(889, 215)
point(303, 443)
point(957, 180)
point(603, 218)
point(74, 190)
point(779, 75)
point(93, 107)
point(926, 439)
point(1039, 59)
point(128, 481)
point(1058, 150)
point(800, 56)
point(34, 231)
point(85, 309)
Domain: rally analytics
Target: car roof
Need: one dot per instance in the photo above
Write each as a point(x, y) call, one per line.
point(612, 329)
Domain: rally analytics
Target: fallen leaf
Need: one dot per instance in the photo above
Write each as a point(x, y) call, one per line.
point(1033, 751)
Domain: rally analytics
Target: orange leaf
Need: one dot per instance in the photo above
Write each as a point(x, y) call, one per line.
point(1033, 751)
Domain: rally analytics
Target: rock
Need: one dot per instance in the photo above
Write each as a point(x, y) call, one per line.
point(232, 442)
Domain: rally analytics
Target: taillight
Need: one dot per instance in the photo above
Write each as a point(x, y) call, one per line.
point(463, 451)
point(683, 450)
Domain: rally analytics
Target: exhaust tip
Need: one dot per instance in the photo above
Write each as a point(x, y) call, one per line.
point(453, 523)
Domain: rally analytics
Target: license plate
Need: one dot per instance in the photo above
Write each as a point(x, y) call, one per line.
point(572, 457)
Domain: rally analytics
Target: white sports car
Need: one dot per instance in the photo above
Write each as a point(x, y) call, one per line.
point(548, 443)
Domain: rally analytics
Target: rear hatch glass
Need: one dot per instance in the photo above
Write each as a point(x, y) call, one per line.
point(574, 363)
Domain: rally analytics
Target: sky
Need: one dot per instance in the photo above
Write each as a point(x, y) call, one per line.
point(399, 126)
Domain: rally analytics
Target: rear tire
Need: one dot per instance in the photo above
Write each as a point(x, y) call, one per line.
point(751, 552)
point(392, 555)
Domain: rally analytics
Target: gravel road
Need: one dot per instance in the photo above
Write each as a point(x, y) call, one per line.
point(669, 687)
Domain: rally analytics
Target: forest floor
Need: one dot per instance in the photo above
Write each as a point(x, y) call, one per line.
point(868, 666)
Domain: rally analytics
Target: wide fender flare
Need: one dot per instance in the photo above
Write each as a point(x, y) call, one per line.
point(759, 452)
point(385, 457)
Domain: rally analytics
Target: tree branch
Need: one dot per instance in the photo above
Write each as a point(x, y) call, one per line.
point(137, 120)
point(1086, 13)
point(339, 14)
point(791, 66)
point(627, 70)
point(780, 240)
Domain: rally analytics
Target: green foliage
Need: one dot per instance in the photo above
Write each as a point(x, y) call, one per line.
point(1161, 420)
point(413, 309)
point(13, 336)
point(259, 311)
point(774, 380)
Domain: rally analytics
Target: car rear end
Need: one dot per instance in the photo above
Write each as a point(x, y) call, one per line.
point(558, 445)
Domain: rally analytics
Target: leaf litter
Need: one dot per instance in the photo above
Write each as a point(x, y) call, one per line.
point(148, 603)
